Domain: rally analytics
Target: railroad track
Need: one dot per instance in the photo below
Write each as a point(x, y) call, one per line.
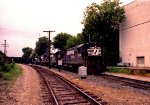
point(63, 92)
point(127, 81)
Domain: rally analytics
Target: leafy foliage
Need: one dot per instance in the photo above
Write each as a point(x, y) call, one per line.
point(80, 38)
point(101, 23)
point(118, 70)
point(71, 42)
point(60, 40)
point(2, 55)
point(27, 52)
point(41, 46)
point(5, 67)
point(75, 40)
point(10, 71)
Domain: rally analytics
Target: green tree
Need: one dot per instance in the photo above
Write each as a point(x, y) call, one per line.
point(27, 51)
point(80, 38)
point(41, 46)
point(71, 42)
point(75, 40)
point(2, 55)
point(60, 40)
point(101, 22)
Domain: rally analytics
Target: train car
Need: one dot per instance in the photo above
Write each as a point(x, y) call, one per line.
point(73, 58)
point(88, 54)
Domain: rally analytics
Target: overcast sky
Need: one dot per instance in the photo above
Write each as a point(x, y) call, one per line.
point(23, 21)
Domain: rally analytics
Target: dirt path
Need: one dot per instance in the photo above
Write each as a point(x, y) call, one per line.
point(26, 89)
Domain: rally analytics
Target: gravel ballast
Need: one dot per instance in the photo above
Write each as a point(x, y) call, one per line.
point(110, 91)
point(27, 90)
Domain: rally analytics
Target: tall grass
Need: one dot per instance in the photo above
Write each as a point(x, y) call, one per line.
point(10, 71)
point(129, 71)
point(118, 70)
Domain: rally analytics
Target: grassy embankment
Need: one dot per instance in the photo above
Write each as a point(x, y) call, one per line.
point(127, 71)
point(10, 71)
point(8, 75)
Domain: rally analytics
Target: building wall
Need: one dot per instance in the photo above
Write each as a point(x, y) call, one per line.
point(135, 33)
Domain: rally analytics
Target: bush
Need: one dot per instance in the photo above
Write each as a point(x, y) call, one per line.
point(129, 71)
point(9, 71)
point(13, 73)
point(118, 70)
point(6, 68)
point(1, 73)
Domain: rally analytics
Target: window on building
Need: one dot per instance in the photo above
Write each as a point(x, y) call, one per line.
point(140, 60)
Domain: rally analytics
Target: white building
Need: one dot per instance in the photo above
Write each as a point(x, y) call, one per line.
point(135, 34)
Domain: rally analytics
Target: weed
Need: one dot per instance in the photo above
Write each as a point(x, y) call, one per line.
point(118, 70)
point(10, 71)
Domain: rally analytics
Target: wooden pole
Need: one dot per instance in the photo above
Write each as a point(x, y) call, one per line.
point(49, 46)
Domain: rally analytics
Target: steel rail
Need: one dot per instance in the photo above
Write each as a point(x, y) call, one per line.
point(84, 94)
point(49, 87)
point(79, 90)
point(142, 84)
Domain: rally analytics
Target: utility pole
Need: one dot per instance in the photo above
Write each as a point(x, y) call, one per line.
point(49, 46)
point(5, 50)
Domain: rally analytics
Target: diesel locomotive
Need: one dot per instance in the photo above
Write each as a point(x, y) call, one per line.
point(87, 54)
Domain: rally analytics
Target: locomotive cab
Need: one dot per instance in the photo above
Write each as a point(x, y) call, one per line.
point(93, 58)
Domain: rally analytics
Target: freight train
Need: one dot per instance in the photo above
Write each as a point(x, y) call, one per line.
point(87, 54)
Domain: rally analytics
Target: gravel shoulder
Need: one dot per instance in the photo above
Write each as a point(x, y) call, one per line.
point(26, 89)
point(110, 91)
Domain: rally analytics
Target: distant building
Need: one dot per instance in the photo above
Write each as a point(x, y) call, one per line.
point(135, 34)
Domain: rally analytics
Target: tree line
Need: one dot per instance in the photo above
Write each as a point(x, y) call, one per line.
point(101, 24)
